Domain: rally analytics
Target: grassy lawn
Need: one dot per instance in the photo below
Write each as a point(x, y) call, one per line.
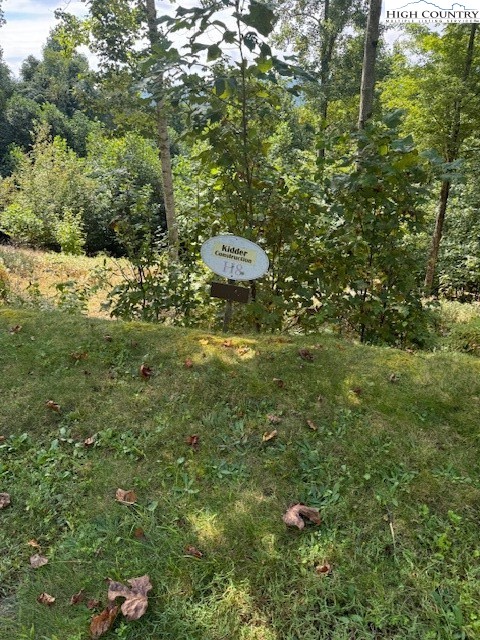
point(393, 466)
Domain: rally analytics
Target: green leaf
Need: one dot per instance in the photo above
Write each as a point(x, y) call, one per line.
point(214, 52)
point(260, 17)
point(229, 37)
point(264, 64)
point(198, 46)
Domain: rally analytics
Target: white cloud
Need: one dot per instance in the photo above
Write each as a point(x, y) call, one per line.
point(28, 25)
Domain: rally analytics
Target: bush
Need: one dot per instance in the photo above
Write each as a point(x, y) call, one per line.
point(20, 222)
point(70, 234)
point(465, 338)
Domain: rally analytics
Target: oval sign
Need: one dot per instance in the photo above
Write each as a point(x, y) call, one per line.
point(234, 258)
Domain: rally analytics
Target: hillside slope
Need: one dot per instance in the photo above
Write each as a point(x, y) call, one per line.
point(384, 443)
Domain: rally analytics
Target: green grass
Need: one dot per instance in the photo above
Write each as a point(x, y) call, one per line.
point(393, 467)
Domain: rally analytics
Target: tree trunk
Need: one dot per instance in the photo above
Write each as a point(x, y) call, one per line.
point(369, 57)
point(164, 143)
point(437, 235)
point(453, 149)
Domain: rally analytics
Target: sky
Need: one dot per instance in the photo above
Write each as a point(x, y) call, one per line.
point(28, 25)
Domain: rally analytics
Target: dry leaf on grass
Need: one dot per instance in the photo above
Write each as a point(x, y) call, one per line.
point(323, 569)
point(93, 604)
point(139, 534)
point(188, 363)
point(242, 350)
point(79, 355)
point(273, 419)
point(16, 329)
point(103, 622)
point(2, 438)
point(136, 600)
point(126, 497)
point(53, 406)
point(4, 500)
point(204, 342)
point(280, 383)
point(269, 436)
point(357, 391)
point(107, 338)
point(393, 378)
point(305, 354)
point(312, 425)
point(193, 441)
point(45, 598)
point(145, 371)
point(293, 517)
point(193, 551)
point(89, 442)
point(37, 561)
point(77, 597)
point(227, 343)
point(33, 543)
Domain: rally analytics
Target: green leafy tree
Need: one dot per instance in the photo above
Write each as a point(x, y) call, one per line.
point(439, 89)
point(366, 264)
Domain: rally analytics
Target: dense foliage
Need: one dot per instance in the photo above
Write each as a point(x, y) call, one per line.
point(263, 147)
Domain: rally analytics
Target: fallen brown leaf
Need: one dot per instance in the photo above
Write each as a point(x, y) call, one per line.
point(293, 517)
point(323, 569)
point(93, 604)
point(305, 354)
point(280, 383)
point(139, 534)
point(146, 371)
point(393, 377)
point(269, 436)
point(193, 441)
point(53, 406)
point(77, 597)
point(242, 350)
point(4, 500)
point(193, 551)
point(77, 355)
point(2, 438)
point(126, 497)
point(136, 600)
point(37, 561)
point(33, 543)
point(312, 425)
point(227, 343)
point(188, 363)
point(357, 391)
point(273, 419)
point(16, 329)
point(89, 442)
point(107, 338)
point(45, 598)
point(103, 622)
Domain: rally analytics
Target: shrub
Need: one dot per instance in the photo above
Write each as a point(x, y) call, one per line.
point(465, 338)
point(70, 233)
point(21, 223)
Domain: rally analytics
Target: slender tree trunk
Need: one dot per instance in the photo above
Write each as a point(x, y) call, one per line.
point(437, 234)
point(325, 58)
point(164, 142)
point(369, 58)
point(453, 149)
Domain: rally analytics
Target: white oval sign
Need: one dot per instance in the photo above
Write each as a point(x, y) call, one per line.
point(234, 258)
